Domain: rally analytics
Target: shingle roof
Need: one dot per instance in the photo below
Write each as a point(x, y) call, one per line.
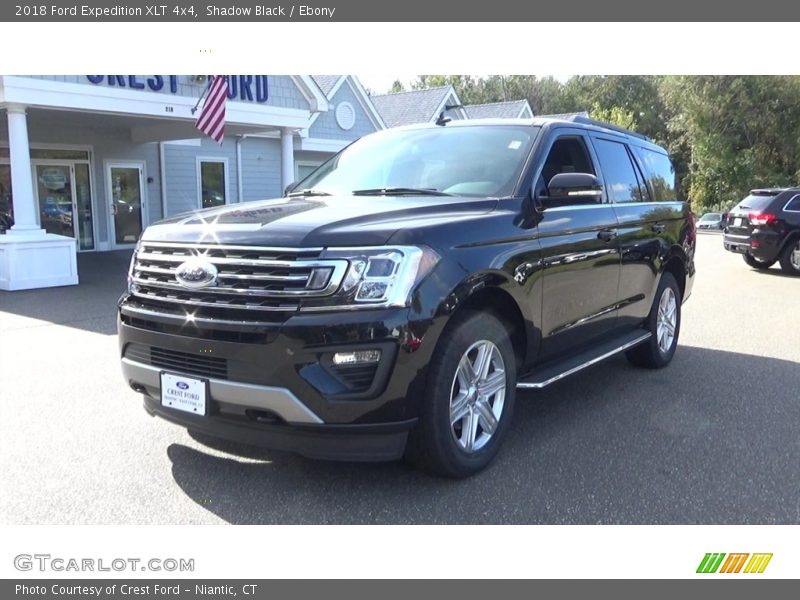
point(496, 110)
point(326, 83)
point(406, 108)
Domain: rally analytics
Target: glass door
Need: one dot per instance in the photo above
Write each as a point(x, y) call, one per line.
point(64, 195)
point(83, 204)
point(55, 195)
point(125, 189)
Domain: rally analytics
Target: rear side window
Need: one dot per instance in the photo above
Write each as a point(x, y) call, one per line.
point(660, 174)
point(754, 202)
point(794, 204)
point(622, 185)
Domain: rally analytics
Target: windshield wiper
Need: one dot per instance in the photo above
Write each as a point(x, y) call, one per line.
point(307, 192)
point(400, 191)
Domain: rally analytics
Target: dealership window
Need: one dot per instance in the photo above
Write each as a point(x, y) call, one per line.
point(213, 178)
point(6, 207)
point(303, 169)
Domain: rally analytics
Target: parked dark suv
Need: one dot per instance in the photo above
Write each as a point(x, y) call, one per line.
point(765, 228)
point(396, 300)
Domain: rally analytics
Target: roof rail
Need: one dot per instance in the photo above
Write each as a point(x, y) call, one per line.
point(590, 121)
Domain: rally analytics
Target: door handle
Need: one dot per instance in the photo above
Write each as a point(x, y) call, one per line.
point(658, 227)
point(606, 234)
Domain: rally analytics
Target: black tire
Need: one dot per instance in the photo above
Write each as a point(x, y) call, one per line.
point(786, 258)
point(752, 261)
point(650, 354)
point(434, 445)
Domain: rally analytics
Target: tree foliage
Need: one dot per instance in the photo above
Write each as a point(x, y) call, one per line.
point(725, 134)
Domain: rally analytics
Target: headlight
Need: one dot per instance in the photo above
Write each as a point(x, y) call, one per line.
point(377, 276)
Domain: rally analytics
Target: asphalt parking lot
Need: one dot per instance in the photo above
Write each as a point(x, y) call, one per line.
point(712, 439)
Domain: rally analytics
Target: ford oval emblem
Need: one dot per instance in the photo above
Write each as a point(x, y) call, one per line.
point(183, 385)
point(196, 273)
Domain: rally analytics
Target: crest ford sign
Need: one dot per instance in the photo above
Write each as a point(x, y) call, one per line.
point(247, 88)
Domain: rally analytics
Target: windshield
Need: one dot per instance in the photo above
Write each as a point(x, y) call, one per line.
point(480, 161)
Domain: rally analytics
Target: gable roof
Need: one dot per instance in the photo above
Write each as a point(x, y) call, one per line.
point(311, 91)
point(416, 106)
point(512, 109)
point(331, 84)
point(327, 82)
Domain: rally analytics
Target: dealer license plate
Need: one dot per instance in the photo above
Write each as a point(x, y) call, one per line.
point(183, 393)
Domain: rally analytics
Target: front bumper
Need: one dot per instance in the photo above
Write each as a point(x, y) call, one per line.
point(275, 388)
point(357, 443)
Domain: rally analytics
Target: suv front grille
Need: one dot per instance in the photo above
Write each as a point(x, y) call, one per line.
point(248, 277)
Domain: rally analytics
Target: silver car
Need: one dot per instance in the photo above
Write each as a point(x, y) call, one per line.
point(711, 221)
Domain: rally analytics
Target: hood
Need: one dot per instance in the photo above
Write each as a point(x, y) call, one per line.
point(315, 222)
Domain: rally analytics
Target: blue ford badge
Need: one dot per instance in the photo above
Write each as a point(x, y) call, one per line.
point(196, 273)
point(183, 385)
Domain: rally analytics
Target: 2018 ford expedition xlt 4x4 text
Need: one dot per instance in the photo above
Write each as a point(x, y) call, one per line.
point(393, 303)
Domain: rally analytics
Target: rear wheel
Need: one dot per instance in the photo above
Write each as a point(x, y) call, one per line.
point(469, 398)
point(790, 258)
point(664, 322)
point(754, 262)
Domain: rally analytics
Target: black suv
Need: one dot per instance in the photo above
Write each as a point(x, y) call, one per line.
point(765, 228)
point(397, 299)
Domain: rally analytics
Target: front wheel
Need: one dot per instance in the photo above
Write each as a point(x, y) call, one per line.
point(664, 322)
point(469, 398)
point(790, 258)
point(752, 261)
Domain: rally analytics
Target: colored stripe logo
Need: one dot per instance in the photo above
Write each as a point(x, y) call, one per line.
point(719, 562)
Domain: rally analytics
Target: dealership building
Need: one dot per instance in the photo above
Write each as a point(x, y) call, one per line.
point(88, 161)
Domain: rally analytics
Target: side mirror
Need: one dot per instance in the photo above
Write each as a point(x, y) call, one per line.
point(572, 188)
point(288, 189)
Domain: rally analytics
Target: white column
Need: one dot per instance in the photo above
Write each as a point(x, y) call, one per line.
point(29, 256)
point(21, 175)
point(287, 157)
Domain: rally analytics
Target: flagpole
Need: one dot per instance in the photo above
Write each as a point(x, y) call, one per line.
point(203, 95)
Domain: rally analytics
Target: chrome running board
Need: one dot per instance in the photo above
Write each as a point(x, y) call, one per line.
point(550, 374)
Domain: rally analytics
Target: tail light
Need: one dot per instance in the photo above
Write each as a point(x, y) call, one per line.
point(762, 219)
point(692, 234)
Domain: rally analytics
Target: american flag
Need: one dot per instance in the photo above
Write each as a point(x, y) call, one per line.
point(212, 116)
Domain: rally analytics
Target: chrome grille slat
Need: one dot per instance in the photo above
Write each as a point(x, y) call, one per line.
point(197, 302)
point(249, 277)
point(249, 291)
point(224, 275)
point(244, 262)
point(234, 248)
point(258, 277)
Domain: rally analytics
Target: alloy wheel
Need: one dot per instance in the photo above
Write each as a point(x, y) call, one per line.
point(667, 320)
point(794, 257)
point(477, 396)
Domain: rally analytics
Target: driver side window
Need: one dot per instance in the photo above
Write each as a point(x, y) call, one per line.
point(568, 154)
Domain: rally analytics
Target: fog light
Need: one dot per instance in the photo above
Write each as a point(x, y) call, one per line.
point(357, 357)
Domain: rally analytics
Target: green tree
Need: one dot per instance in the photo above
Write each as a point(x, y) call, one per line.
point(725, 134)
point(741, 132)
